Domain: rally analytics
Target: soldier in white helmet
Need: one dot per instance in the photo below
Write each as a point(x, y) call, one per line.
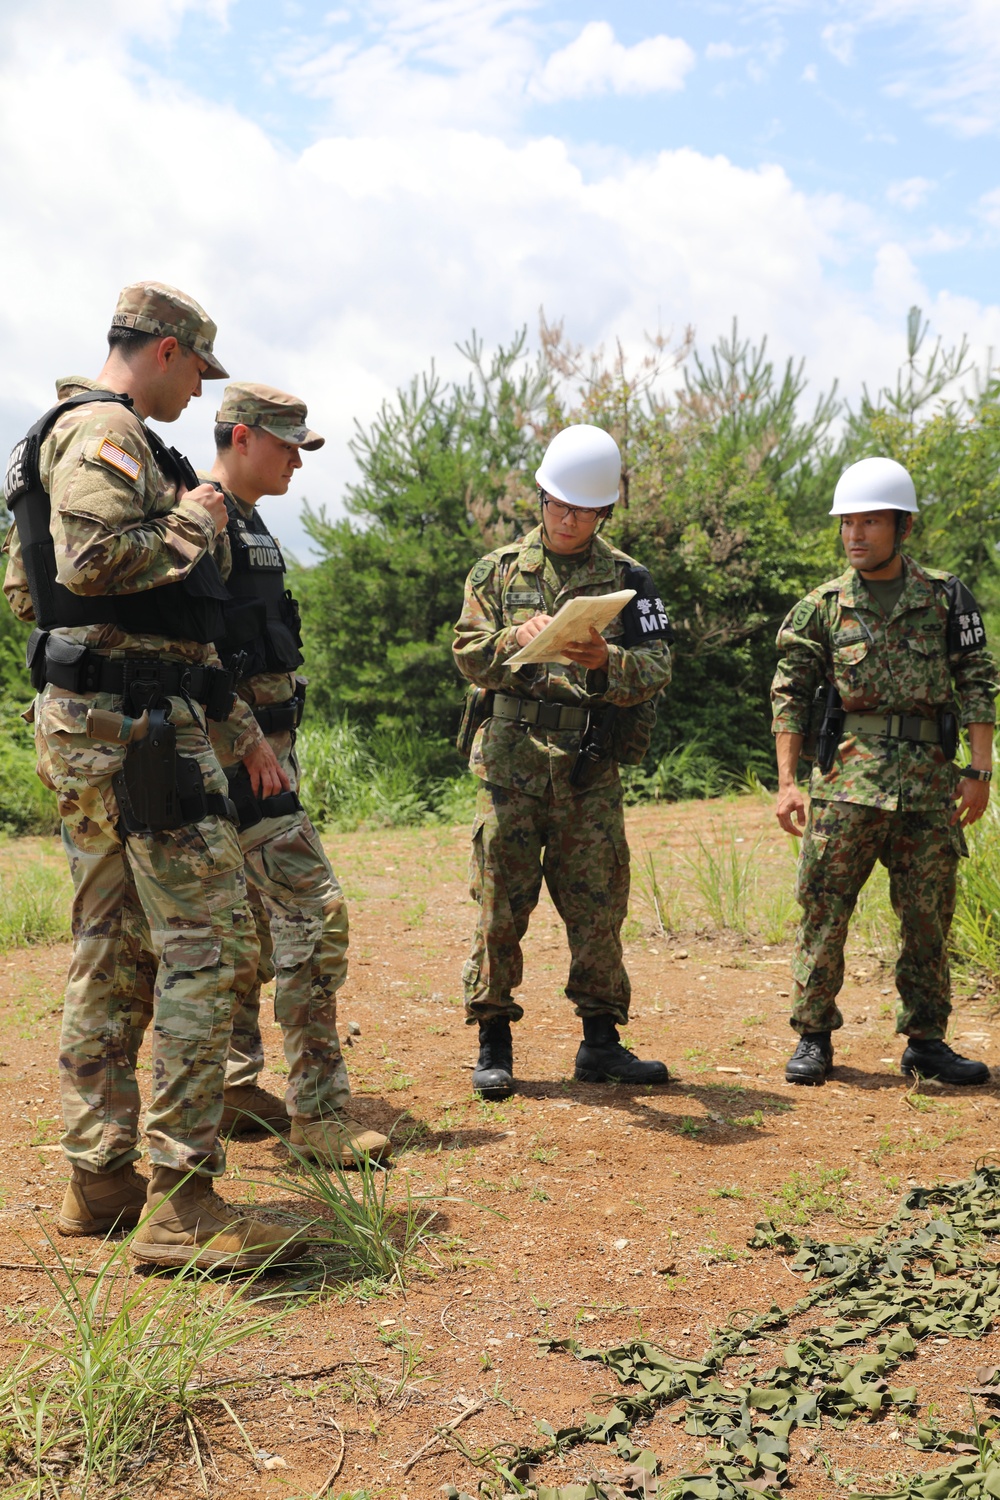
point(547, 751)
point(884, 664)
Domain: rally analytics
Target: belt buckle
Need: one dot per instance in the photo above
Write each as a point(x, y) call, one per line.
point(548, 715)
point(910, 726)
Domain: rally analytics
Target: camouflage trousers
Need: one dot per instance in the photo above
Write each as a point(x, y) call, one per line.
point(921, 851)
point(578, 847)
point(302, 926)
point(162, 932)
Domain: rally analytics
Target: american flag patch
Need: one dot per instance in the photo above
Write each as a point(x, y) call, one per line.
point(119, 459)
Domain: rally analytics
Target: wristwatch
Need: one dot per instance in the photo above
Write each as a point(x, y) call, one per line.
point(975, 775)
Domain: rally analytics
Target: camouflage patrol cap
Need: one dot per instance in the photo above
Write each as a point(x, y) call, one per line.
point(153, 307)
point(276, 412)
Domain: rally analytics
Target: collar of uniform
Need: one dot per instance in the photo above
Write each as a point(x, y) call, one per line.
point(598, 568)
point(72, 385)
point(917, 590)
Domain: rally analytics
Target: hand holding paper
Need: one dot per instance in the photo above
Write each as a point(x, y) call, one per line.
point(573, 623)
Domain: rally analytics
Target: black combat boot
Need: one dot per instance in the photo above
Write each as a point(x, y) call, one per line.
point(812, 1060)
point(601, 1058)
point(494, 1074)
point(937, 1060)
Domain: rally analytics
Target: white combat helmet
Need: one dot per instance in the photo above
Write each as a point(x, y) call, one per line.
point(582, 466)
point(874, 484)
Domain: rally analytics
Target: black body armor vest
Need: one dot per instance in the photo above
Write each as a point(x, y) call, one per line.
point(192, 610)
point(259, 576)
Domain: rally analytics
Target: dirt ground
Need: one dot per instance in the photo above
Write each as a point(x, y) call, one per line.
point(584, 1210)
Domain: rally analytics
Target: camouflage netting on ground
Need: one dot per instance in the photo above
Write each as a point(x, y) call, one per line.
point(930, 1271)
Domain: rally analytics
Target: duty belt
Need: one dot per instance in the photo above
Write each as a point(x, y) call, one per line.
point(533, 711)
point(93, 673)
point(895, 727)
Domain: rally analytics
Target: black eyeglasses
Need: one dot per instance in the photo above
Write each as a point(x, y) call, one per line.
point(564, 512)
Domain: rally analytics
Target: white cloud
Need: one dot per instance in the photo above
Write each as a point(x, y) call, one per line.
point(910, 193)
point(721, 51)
point(838, 38)
point(810, 73)
point(338, 271)
point(989, 207)
point(595, 63)
point(949, 63)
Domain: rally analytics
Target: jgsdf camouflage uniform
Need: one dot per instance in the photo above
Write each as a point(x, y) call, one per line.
point(526, 802)
point(118, 528)
point(884, 798)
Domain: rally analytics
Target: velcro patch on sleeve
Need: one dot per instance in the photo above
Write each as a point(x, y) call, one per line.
point(117, 458)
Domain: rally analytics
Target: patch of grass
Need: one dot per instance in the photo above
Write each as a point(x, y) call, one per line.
point(34, 907)
point(373, 1236)
point(691, 1127)
point(112, 1375)
point(725, 878)
point(802, 1197)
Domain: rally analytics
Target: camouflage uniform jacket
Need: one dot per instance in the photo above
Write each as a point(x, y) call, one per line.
point(260, 689)
point(118, 528)
point(899, 665)
point(503, 590)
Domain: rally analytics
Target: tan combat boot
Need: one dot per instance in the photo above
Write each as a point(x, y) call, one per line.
point(188, 1223)
point(97, 1202)
point(248, 1108)
point(336, 1140)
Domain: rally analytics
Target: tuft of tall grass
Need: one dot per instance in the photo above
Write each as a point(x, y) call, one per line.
point(975, 933)
point(725, 878)
point(34, 907)
point(662, 901)
point(115, 1368)
point(370, 1234)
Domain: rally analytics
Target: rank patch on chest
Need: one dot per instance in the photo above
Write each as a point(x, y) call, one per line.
point(117, 458)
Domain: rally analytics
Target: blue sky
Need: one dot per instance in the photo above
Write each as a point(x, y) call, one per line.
point(349, 189)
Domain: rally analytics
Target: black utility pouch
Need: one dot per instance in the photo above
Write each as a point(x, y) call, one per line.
point(478, 708)
point(146, 786)
point(67, 664)
point(220, 694)
point(948, 730)
point(34, 658)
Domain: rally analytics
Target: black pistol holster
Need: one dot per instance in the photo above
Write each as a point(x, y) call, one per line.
point(156, 788)
point(251, 809)
point(595, 743)
point(476, 710)
point(831, 729)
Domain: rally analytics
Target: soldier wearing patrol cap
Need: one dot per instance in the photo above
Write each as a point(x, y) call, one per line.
point(112, 559)
point(547, 753)
point(297, 900)
point(893, 656)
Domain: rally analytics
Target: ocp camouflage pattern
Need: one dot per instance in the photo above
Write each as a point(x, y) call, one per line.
point(302, 920)
point(179, 895)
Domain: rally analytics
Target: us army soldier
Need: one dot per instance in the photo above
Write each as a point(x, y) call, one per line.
point(260, 434)
point(547, 757)
point(898, 655)
point(112, 561)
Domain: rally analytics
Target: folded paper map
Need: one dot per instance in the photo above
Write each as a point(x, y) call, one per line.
point(572, 623)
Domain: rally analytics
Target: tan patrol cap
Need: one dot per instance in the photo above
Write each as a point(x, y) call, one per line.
point(152, 307)
point(276, 412)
